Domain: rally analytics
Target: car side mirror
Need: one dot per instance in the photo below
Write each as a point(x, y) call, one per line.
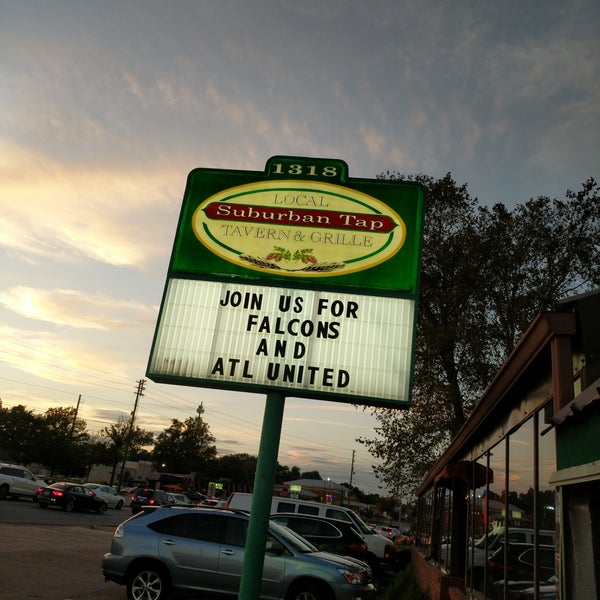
point(274, 547)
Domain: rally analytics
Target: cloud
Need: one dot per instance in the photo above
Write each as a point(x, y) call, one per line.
point(50, 356)
point(65, 212)
point(75, 308)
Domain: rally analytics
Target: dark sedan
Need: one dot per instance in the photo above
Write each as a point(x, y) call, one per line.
point(330, 535)
point(521, 562)
point(70, 497)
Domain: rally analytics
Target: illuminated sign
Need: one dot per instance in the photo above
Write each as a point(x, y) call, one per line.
point(298, 279)
point(306, 229)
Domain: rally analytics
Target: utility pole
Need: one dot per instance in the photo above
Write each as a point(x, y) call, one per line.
point(75, 417)
point(71, 432)
point(351, 475)
point(139, 393)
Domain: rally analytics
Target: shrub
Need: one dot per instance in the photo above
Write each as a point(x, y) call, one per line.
point(405, 587)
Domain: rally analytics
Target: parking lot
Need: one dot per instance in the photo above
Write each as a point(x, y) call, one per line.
point(54, 555)
point(55, 562)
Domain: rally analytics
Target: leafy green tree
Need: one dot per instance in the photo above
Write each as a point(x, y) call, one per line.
point(239, 468)
point(485, 273)
point(62, 441)
point(19, 433)
point(120, 438)
point(283, 473)
point(185, 446)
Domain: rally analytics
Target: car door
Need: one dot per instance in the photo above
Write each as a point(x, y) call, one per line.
point(28, 484)
point(83, 497)
point(110, 495)
point(189, 545)
point(320, 533)
point(231, 561)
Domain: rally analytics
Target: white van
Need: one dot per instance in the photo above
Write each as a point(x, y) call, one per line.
point(378, 545)
point(17, 481)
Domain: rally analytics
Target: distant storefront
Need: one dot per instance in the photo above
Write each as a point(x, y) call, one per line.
point(512, 508)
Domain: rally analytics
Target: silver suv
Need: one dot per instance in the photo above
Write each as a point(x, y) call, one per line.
point(17, 481)
point(202, 551)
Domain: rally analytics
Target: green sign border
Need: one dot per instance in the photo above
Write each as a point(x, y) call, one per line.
point(397, 277)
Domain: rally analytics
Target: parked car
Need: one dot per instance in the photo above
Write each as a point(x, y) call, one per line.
point(390, 532)
point(380, 547)
point(144, 496)
point(547, 590)
point(17, 481)
point(108, 493)
point(520, 563)
point(194, 496)
point(70, 497)
point(331, 535)
point(182, 500)
point(157, 551)
point(212, 503)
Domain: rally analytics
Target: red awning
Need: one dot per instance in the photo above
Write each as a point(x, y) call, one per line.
point(465, 471)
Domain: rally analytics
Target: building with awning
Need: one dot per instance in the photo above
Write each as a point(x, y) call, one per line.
point(527, 461)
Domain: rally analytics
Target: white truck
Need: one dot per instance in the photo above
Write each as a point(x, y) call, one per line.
point(379, 546)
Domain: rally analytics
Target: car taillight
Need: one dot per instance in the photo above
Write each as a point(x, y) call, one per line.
point(40, 490)
point(358, 547)
point(151, 501)
point(57, 493)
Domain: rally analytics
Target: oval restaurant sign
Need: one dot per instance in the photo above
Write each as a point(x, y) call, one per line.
point(299, 228)
point(297, 279)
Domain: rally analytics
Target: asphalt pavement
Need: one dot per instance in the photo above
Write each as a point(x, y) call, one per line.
point(58, 556)
point(59, 562)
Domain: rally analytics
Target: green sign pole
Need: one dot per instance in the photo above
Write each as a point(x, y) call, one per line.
point(261, 498)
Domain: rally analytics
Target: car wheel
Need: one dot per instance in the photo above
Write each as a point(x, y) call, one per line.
point(119, 505)
point(102, 508)
point(3, 491)
point(69, 505)
point(148, 583)
point(310, 591)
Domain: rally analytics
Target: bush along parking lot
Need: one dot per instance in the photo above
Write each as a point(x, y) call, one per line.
point(404, 586)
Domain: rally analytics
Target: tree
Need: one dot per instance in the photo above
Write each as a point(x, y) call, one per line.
point(121, 437)
point(62, 440)
point(283, 473)
point(239, 468)
point(485, 273)
point(185, 446)
point(311, 475)
point(19, 433)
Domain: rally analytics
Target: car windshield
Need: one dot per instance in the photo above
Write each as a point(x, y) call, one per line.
point(292, 539)
point(361, 525)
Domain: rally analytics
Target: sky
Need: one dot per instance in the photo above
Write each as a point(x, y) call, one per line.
point(105, 107)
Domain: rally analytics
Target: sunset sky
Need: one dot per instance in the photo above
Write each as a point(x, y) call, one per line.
point(105, 107)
